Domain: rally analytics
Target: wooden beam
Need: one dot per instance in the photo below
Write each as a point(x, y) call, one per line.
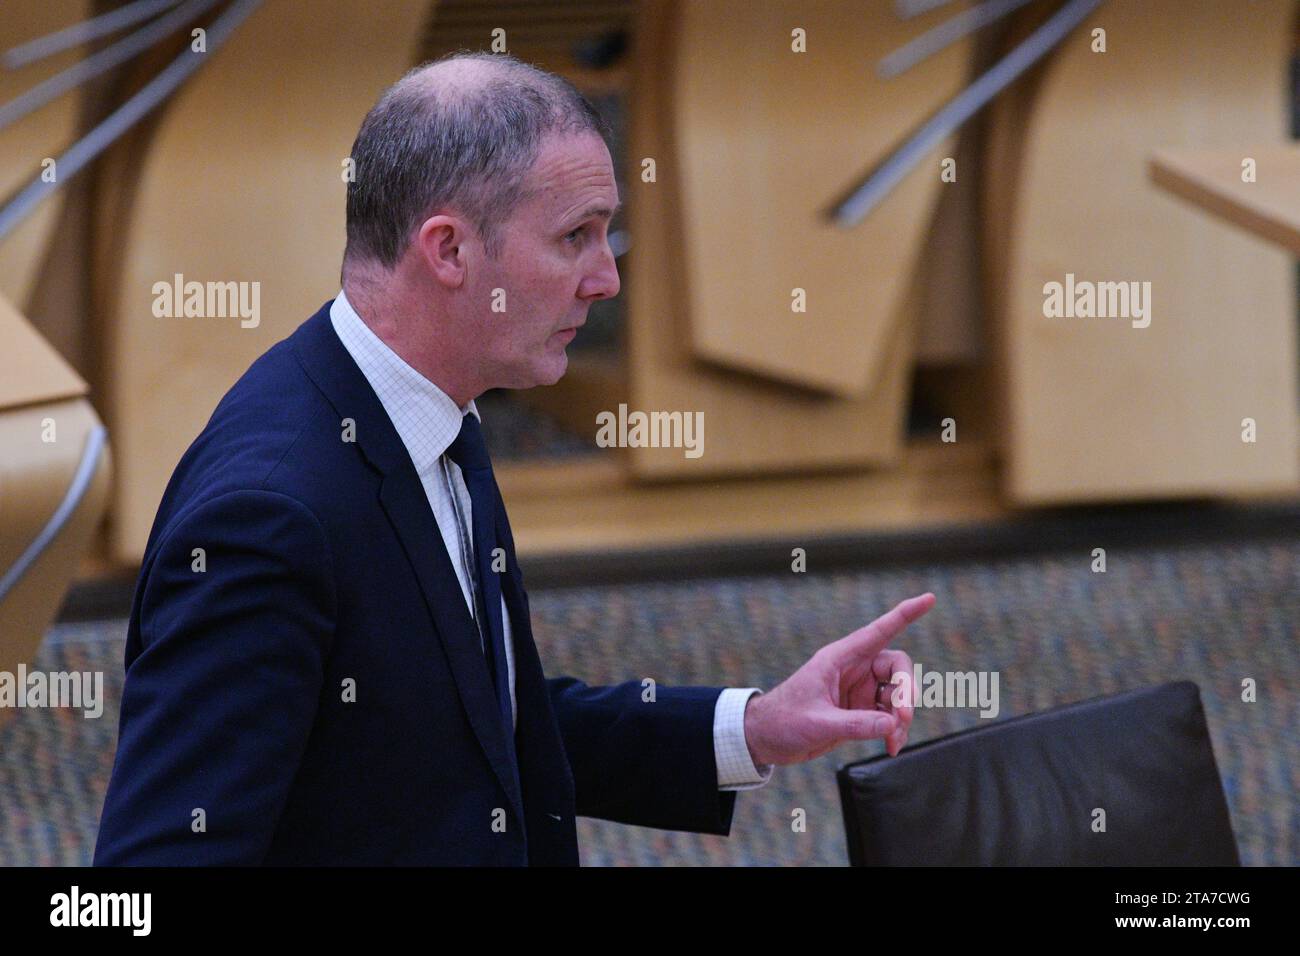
point(1267, 206)
point(590, 504)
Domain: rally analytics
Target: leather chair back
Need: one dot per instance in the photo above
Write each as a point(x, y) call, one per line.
point(1037, 790)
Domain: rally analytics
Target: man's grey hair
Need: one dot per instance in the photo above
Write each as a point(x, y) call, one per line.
point(429, 145)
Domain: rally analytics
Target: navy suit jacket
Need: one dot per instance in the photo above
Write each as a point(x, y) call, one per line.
point(322, 570)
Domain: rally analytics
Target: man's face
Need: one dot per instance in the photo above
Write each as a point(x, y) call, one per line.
point(554, 263)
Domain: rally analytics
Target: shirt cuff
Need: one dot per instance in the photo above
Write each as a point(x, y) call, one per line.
point(736, 770)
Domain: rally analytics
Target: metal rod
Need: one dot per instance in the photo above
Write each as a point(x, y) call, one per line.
point(944, 35)
point(124, 117)
point(81, 480)
point(83, 32)
point(101, 62)
point(876, 185)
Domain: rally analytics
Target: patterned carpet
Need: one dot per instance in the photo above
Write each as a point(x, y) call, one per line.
point(1054, 630)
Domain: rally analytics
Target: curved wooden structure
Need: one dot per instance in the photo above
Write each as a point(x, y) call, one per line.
point(752, 425)
point(241, 182)
point(1094, 407)
point(766, 140)
point(47, 430)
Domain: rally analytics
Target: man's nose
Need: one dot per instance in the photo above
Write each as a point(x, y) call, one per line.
point(603, 281)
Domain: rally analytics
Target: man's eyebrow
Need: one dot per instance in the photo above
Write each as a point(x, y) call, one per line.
point(603, 212)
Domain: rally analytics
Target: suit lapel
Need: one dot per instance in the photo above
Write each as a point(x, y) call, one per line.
point(402, 496)
point(407, 507)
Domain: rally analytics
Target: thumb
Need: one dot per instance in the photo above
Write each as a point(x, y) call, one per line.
point(864, 724)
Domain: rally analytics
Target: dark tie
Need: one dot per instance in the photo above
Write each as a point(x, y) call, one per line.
point(470, 453)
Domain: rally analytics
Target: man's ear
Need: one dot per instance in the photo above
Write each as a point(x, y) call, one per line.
point(441, 246)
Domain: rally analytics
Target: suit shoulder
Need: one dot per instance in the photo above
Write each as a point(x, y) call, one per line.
point(273, 430)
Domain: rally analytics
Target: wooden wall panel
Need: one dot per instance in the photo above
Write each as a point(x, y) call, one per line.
point(1095, 408)
point(752, 425)
point(241, 182)
point(767, 139)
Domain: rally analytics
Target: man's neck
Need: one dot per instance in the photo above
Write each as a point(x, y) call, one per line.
point(412, 335)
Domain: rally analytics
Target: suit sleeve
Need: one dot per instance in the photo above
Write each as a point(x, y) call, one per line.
point(648, 763)
point(222, 691)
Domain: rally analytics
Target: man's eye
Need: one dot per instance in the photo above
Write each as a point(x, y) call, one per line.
point(574, 233)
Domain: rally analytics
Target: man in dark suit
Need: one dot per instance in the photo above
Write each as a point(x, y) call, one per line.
point(329, 657)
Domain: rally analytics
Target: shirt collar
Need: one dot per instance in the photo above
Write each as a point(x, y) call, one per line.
point(426, 418)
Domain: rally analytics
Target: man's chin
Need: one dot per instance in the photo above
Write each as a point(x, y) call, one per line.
point(547, 371)
point(555, 369)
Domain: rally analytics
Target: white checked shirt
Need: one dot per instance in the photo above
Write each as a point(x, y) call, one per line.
point(428, 421)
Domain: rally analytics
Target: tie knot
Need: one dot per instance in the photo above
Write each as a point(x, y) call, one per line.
point(469, 450)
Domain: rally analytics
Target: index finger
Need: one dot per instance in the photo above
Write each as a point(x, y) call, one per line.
point(866, 642)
